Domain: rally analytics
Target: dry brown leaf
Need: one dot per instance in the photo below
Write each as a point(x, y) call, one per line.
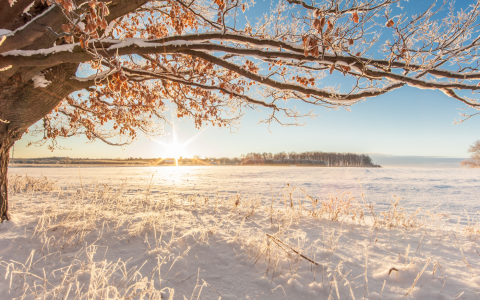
point(355, 17)
point(316, 24)
point(65, 28)
point(81, 43)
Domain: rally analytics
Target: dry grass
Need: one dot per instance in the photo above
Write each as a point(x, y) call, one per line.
point(86, 279)
point(25, 184)
point(472, 228)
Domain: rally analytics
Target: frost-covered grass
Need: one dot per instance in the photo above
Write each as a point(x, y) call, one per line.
point(440, 190)
point(103, 241)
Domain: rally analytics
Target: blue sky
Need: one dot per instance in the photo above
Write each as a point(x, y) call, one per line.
point(405, 122)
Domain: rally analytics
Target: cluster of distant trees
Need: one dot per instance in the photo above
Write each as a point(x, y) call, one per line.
point(69, 160)
point(328, 159)
point(284, 162)
point(312, 158)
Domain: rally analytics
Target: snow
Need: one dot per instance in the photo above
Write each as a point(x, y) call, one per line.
point(109, 28)
point(148, 43)
point(27, 9)
point(3, 35)
point(81, 25)
point(132, 228)
point(40, 81)
point(453, 190)
point(4, 32)
point(99, 75)
point(115, 44)
point(234, 37)
point(33, 20)
point(7, 67)
point(55, 49)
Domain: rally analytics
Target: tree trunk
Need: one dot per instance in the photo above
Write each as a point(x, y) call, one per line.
point(6, 144)
point(4, 158)
point(22, 104)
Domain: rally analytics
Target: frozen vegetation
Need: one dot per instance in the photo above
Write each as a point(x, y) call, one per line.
point(241, 233)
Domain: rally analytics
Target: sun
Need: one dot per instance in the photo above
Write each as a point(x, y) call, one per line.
point(175, 150)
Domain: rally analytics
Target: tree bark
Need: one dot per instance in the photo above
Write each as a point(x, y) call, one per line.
point(5, 155)
point(6, 144)
point(24, 102)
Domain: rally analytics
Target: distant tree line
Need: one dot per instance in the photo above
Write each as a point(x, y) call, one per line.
point(329, 159)
point(87, 161)
point(312, 158)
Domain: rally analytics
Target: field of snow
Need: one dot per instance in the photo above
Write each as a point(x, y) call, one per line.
point(241, 233)
point(453, 191)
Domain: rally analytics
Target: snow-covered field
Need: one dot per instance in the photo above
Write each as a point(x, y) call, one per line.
point(454, 191)
point(242, 233)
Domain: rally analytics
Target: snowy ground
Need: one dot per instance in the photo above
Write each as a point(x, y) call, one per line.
point(453, 191)
point(194, 233)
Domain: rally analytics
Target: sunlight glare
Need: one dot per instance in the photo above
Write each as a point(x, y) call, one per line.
point(176, 150)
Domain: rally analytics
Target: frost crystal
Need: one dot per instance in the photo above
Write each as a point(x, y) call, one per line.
point(40, 81)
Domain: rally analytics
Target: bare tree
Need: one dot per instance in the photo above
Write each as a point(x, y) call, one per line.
point(108, 69)
point(474, 160)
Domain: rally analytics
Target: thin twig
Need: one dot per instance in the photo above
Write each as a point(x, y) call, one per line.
point(278, 242)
